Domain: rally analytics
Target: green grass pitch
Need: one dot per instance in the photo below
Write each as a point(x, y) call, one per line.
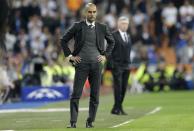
point(163, 111)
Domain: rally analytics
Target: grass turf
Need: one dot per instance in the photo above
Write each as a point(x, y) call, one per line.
point(176, 114)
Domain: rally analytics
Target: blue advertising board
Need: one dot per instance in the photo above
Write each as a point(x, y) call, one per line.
point(38, 93)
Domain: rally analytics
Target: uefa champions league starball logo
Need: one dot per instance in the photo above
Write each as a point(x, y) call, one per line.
point(45, 93)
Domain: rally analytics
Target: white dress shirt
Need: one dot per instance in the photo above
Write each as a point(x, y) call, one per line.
point(124, 36)
point(88, 23)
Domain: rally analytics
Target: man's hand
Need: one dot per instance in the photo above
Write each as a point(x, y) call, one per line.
point(75, 59)
point(101, 58)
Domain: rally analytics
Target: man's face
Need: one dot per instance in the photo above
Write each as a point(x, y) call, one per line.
point(123, 25)
point(91, 14)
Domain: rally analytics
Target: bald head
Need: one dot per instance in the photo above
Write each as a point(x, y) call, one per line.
point(88, 5)
point(90, 12)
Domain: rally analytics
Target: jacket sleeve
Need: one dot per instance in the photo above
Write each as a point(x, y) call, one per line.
point(68, 35)
point(110, 43)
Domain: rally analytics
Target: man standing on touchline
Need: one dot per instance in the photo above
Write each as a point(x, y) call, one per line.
point(87, 57)
point(120, 61)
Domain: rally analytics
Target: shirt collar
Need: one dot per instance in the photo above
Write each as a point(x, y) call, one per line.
point(121, 32)
point(88, 23)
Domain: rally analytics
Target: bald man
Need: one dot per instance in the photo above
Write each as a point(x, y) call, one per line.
point(87, 58)
point(120, 59)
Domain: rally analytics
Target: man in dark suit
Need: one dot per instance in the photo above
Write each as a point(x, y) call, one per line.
point(120, 60)
point(89, 52)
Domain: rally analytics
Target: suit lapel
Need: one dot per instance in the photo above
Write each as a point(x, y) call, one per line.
point(120, 38)
point(97, 32)
point(83, 31)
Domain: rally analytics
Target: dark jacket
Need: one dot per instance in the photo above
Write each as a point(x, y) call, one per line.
point(77, 32)
point(120, 56)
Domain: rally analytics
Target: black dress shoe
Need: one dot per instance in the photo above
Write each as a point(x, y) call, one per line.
point(115, 112)
point(72, 125)
point(123, 112)
point(89, 125)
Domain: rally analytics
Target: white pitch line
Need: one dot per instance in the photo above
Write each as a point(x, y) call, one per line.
point(157, 109)
point(6, 130)
point(56, 120)
point(131, 120)
point(124, 123)
point(22, 121)
point(39, 110)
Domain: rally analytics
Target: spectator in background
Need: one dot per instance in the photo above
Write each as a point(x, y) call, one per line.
point(169, 14)
point(160, 79)
point(116, 5)
point(35, 27)
point(141, 5)
point(110, 20)
point(152, 55)
point(6, 85)
point(17, 21)
point(158, 23)
point(56, 16)
point(147, 80)
point(74, 5)
point(177, 81)
point(187, 14)
point(146, 36)
point(166, 52)
point(10, 40)
point(48, 8)
point(34, 8)
point(50, 14)
point(23, 39)
point(182, 48)
point(139, 19)
point(14, 64)
point(37, 46)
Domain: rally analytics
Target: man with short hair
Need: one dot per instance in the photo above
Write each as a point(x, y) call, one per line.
point(120, 60)
point(87, 57)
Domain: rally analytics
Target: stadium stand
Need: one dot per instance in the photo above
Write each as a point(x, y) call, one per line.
point(161, 31)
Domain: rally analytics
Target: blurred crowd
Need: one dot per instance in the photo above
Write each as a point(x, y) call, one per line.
point(161, 32)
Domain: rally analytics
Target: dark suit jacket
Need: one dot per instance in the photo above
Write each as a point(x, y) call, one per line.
point(77, 32)
point(120, 56)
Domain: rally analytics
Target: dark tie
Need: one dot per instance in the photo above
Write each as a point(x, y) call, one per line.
point(90, 26)
point(125, 37)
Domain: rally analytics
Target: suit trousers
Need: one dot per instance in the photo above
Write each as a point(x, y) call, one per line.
point(120, 78)
point(92, 71)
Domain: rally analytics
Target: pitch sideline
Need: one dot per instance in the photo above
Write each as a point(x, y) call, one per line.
point(155, 110)
point(40, 110)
